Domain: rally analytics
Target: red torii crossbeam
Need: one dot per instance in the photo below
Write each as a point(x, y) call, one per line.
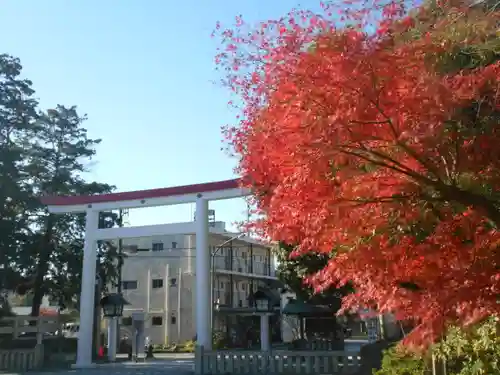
point(91, 205)
point(144, 198)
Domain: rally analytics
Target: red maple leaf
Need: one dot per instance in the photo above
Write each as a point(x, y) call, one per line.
point(368, 145)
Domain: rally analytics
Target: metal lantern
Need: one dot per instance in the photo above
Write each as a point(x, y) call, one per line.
point(262, 303)
point(112, 305)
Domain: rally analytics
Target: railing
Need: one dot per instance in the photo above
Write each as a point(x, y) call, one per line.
point(20, 325)
point(15, 359)
point(21, 359)
point(275, 362)
point(222, 263)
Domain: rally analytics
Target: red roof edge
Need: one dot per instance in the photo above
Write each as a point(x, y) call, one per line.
point(141, 194)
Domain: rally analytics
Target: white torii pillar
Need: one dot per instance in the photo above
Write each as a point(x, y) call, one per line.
point(265, 337)
point(85, 333)
point(203, 284)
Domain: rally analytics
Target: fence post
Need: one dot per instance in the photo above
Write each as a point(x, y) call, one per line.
point(15, 328)
point(198, 359)
point(438, 366)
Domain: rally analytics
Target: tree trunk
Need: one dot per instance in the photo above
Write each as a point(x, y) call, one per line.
point(477, 201)
point(42, 267)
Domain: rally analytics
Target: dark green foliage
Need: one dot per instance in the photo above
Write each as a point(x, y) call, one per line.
point(43, 153)
point(475, 351)
point(5, 308)
point(17, 119)
point(472, 352)
point(396, 362)
point(220, 340)
point(293, 270)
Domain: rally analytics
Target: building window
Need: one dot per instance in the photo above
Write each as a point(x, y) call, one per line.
point(129, 285)
point(127, 321)
point(174, 245)
point(173, 281)
point(243, 255)
point(222, 285)
point(157, 320)
point(158, 246)
point(240, 303)
point(173, 319)
point(157, 283)
point(243, 287)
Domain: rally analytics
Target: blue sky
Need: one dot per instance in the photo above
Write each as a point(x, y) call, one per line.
point(143, 72)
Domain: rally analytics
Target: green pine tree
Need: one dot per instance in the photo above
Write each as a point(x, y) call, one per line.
point(17, 119)
point(59, 158)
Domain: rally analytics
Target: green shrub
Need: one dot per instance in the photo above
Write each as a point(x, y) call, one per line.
point(475, 351)
point(219, 340)
point(189, 346)
point(472, 352)
point(396, 361)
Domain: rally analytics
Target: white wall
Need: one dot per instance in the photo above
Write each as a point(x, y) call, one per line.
point(177, 299)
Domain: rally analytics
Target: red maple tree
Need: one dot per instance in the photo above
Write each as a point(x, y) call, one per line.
point(373, 134)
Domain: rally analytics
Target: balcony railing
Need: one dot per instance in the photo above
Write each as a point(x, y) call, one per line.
point(229, 294)
point(235, 259)
point(243, 266)
point(237, 300)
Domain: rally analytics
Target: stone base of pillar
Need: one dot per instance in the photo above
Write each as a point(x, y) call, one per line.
point(78, 366)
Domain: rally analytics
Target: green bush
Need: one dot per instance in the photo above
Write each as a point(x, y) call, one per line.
point(189, 346)
point(472, 352)
point(397, 361)
point(466, 352)
point(219, 340)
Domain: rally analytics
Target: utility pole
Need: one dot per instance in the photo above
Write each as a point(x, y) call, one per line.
point(120, 254)
point(121, 215)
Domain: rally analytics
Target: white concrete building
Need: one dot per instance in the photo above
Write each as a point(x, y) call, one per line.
point(158, 278)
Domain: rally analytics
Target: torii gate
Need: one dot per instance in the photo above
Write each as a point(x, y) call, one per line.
point(92, 205)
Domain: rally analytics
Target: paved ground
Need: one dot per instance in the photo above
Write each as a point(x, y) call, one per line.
point(157, 366)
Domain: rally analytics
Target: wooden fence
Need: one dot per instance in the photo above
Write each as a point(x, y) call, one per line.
point(25, 328)
point(22, 326)
point(275, 362)
point(21, 359)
